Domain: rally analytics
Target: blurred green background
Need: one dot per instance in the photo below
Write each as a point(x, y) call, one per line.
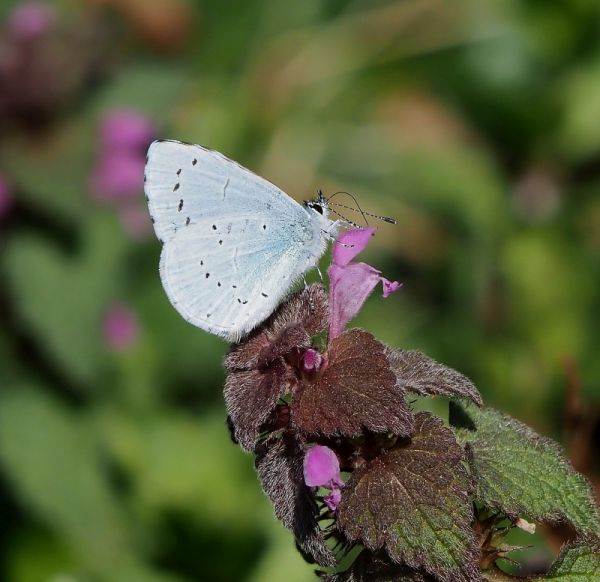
point(475, 124)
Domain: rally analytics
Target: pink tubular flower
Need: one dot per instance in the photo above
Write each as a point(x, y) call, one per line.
point(126, 130)
point(120, 327)
point(311, 361)
point(351, 283)
point(118, 176)
point(322, 469)
point(30, 19)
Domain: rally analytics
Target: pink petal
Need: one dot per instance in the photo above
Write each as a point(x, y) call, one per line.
point(349, 244)
point(311, 360)
point(124, 129)
point(333, 499)
point(120, 327)
point(118, 176)
point(389, 287)
point(29, 20)
point(321, 467)
point(349, 288)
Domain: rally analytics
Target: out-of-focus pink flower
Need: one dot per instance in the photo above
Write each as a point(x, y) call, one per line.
point(135, 220)
point(30, 20)
point(322, 469)
point(118, 176)
point(120, 327)
point(126, 130)
point(351, 283)
point(6, 197)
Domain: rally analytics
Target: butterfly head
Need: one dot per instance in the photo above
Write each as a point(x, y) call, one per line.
point(318, 205)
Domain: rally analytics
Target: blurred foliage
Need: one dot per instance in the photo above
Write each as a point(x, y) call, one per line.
point(474, 124)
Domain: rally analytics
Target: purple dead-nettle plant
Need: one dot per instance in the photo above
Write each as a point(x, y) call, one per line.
point(352, 470)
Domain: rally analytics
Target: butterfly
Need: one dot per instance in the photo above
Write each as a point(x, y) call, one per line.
point(233, 243)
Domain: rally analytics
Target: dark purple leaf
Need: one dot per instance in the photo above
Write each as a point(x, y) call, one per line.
point(251, 396)
point(415, 502)
point(302, 316)
point(355, 391)
point(279, 466)
point(417, 373)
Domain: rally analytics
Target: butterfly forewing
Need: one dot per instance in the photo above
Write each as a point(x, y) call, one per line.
point(186, 183)
point(229, 279)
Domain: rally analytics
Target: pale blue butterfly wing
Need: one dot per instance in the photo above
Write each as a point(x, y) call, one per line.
point(233, 243)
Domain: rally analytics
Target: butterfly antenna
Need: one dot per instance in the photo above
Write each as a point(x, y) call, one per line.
point(348, 207)
point(364, 214)
point(346, 220)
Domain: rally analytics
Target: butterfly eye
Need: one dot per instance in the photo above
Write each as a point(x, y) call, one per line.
point(318, 208)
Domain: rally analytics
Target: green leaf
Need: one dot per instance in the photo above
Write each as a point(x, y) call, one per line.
point(577, 563)
point(50, 458)
point(51, 171)
point(414, 501)
point(61, 297)
point(520, 473)
point(153, 89)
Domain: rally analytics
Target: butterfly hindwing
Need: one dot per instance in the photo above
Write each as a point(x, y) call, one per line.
point(227, 275)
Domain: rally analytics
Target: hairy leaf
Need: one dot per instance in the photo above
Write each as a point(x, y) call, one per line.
point(279, 467)
point(356, 390)
point(291, 326)
point(414, 501)
point(579, 562)
point(520, 473)
point(417, 373)
point(250, 396)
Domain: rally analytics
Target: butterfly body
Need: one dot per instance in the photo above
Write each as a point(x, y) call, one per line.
point(233, 243)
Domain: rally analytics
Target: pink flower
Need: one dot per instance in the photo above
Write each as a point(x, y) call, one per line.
point(322, 469)
point(351, 283)
point(311, 361)
point(6, 197)
point(118, 176)
point(126, 130)
point(29, 20)
point(120, 327)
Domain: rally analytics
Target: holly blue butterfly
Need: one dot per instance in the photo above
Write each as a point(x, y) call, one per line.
point(233, 243)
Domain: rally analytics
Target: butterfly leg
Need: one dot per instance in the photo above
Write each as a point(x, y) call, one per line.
point(320, 274)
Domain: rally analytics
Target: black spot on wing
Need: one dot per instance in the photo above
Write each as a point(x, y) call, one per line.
point(180, 205)
point(187, 220)
point(194, 162)
point(176, 187)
